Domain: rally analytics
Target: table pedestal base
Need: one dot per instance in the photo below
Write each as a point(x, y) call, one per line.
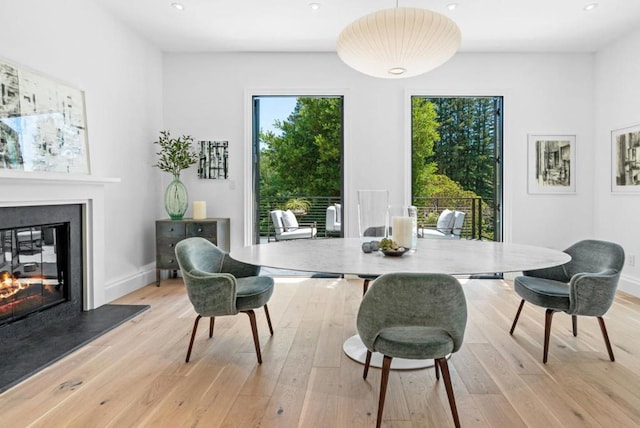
point(355, 349)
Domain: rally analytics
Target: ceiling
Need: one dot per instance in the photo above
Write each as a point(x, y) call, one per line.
point(293, 26)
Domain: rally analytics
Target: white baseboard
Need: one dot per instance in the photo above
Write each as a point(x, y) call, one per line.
point(510, 276)
point(123, 286)
point(630, 285)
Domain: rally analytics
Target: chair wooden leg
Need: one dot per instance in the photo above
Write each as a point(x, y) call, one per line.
point(606, 338)
point(266, 312)
point(447, 384)
point(365, 286)
point(386, 366)
point(367, 363)
point(515, 320)
point(436, 365)
point(193, 336)
point(547, 332)
point(254, 329)
point(211, 321)
point(574, 324)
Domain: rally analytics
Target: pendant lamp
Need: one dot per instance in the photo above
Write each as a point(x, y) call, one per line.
point(398, 43)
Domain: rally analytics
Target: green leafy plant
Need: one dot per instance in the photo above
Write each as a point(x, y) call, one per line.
point(175, 154)
point(298, 205)
point(387, 244)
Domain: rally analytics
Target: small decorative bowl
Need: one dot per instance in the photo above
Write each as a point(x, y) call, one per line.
point(396, 252)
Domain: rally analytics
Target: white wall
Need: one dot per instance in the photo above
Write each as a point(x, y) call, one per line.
point(76, 42)
point(617, 93)
point(206, 95)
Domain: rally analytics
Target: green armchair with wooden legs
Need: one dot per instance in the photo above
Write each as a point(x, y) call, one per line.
point(584, 286)
point(413, 316)
point(218, 285)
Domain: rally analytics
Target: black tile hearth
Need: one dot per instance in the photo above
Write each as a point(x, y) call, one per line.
point(25, 356)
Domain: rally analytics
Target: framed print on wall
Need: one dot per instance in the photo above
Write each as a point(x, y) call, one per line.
point(552, 164)
point(214, 160)
point(42, 123)
point(625, 160)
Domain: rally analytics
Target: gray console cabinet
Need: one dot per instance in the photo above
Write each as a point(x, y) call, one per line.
point(170, 232)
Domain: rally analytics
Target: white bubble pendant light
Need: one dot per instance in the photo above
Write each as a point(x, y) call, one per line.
point(398, 43)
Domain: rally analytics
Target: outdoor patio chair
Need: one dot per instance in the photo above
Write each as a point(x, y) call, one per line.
point(286, 226)
point(449, 226)
point(333, 220)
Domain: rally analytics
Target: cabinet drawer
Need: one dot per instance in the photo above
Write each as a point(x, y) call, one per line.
point(167, 245)
point(166, 253)
point(205, 230)
point(167, 261)
point(170, 229)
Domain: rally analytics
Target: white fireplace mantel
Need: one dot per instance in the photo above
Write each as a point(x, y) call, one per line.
point(24, 189)
point(48, 178)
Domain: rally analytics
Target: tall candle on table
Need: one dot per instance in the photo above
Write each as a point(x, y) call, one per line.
point(402, 231)
point(199, 210)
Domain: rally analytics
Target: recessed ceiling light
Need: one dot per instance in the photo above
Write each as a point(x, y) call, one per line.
point(452, 6)
point(590, 7)
point(178, 6)
point(314, 6)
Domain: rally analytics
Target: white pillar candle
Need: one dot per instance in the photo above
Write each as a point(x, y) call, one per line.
point(199, 210)
point(402, 231)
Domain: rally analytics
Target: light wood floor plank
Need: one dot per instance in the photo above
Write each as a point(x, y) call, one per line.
point(586, 382)
point(247, 411)
point(358, 397)
point(329, 347)
point(474, 375)
point(424, 396)
point(498, 411)
point(135, 375)
point(287, 400)
point(525, 402)
point(563, 407)
point(320, 406)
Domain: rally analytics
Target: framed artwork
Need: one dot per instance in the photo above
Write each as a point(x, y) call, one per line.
point(214, 160)
point(552, 164)
point(42, 123)
point(625, 160)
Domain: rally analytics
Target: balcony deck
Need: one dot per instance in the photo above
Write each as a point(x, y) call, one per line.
point(477, 225)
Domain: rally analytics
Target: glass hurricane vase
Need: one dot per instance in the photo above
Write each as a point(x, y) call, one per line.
point(176, 199)
point(373, 214)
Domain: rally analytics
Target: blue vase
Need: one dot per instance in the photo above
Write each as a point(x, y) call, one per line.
point(176, 199)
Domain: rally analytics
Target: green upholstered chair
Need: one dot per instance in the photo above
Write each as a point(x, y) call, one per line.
point(584, 286)
point(218, 285)
point(413, 316)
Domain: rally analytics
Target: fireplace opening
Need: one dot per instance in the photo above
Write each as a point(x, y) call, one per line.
point(34, 269)
point(41, 267)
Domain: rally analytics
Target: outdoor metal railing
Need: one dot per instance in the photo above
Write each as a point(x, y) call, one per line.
point(475, 224)
point(317, 211)
point(430, 208)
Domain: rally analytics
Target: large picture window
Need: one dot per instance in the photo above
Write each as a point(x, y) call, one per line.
point(456, 152)
point(297, 152)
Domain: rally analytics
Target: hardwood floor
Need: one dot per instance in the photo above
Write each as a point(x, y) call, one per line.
point(136, 374)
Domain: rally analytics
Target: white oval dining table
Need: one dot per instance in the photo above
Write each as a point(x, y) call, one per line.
point(345, 256)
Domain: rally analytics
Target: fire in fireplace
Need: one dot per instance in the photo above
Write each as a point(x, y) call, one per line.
point(34, 267)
